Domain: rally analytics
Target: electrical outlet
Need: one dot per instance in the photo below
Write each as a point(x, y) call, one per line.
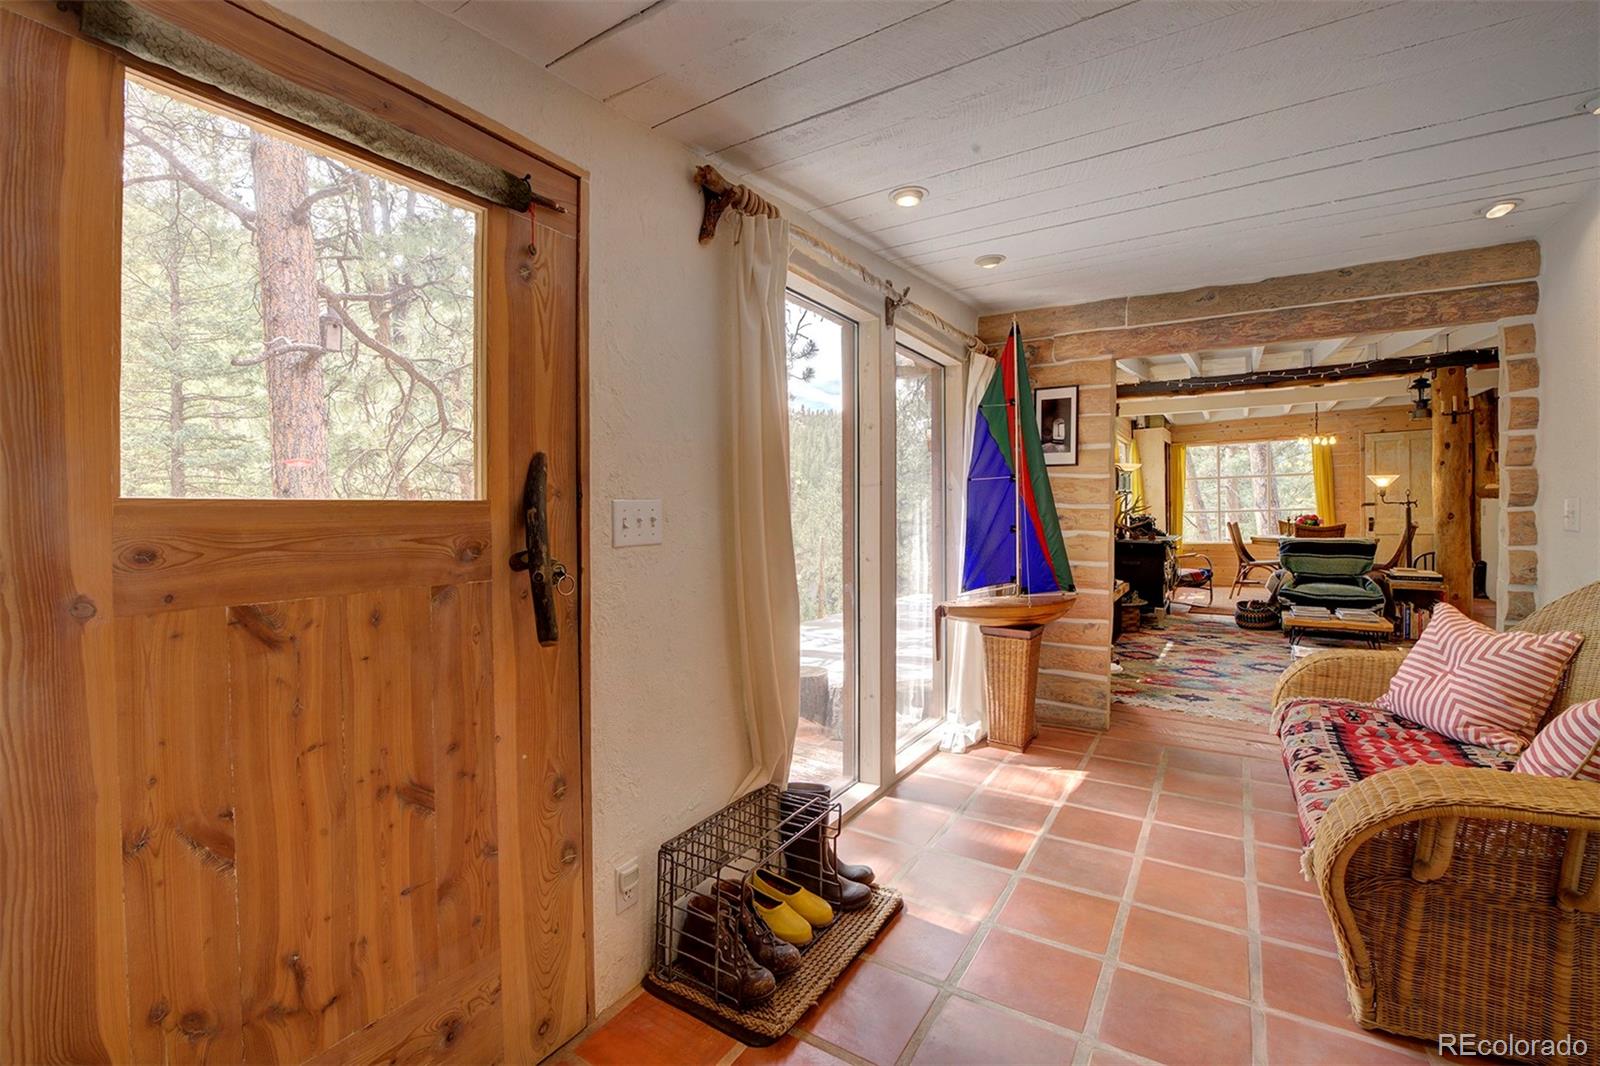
point(627, 885)
point(635, 522)
point(1569, 514)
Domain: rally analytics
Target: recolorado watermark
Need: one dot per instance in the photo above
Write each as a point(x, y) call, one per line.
point(1512, 1046)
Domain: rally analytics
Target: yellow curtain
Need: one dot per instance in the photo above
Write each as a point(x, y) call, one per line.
point(1136, 480)
point(1175, 472)
point(1322, 475)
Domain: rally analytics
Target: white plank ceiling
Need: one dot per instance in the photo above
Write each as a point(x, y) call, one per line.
point(1107, 147)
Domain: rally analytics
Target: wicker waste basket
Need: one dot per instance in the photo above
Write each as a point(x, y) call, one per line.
point(1010, 678)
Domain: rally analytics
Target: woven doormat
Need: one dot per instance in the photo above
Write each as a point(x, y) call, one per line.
point(821, 965)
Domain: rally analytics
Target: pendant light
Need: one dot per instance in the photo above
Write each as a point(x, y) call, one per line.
point(1317, 436)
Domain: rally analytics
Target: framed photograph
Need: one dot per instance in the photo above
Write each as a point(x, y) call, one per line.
point(1057, 411)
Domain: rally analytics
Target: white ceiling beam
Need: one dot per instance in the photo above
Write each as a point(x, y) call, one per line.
point(1321, 350)
point(1359, 388)
point(1192, 361)
point(1395, 343)
point(1138, 368)
point(1256, 355)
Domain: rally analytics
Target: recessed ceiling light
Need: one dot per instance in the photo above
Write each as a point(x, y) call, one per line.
point(1501, 208)
point(1592, 106)
point(989, 262)
point(909, 195)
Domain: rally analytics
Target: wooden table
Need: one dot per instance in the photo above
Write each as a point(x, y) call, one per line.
point(1375, 632)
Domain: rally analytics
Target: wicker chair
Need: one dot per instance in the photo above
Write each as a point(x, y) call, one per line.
point(1247, 563)
point(1195, 576)
point(1465, 900)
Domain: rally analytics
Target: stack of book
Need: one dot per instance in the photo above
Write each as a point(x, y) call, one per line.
point(1411, 574)
point(1301, 611)
point(1356, 614)
point(1410, 620)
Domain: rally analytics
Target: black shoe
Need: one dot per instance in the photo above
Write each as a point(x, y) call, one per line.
point(765, 947)
point(850, 871)
point(809, 852)
point(712, 951)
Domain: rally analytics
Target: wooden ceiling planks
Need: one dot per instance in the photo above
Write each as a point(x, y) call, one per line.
point(715, 42)
point(1238, 106)
point(543, 32)
point(1112, 149)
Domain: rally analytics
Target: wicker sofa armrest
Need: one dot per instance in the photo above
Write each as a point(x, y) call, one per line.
point(1415, 862)
point(1343, 673)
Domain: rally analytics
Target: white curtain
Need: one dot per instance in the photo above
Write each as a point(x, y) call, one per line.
point(966, 715)
point(766, 594)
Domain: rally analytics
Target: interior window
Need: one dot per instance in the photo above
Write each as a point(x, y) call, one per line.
point(294, 324)
point(1256, 484)
point(822, 496)
point(919, 525)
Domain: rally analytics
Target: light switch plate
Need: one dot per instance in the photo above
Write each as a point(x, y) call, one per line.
point(635, 522)
point(1569, 514)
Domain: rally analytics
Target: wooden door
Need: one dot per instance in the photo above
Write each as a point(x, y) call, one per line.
point(1408, 454)
point(284, 780)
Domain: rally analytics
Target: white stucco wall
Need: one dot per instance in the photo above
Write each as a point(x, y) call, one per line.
point(1568, 327)
point(667, 735)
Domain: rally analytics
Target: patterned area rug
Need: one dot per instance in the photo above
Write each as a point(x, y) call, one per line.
point(1200, 664)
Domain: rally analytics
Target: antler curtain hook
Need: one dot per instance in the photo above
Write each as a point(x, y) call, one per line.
point(893, 302)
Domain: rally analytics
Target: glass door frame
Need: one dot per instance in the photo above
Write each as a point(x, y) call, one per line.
point(880, 760)
point(940, 569)
point(856, 728)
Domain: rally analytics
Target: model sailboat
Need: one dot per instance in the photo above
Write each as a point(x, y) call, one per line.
point(1014, 569)
point(1015, 577)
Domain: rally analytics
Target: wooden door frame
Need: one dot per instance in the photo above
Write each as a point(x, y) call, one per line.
point(280, 43)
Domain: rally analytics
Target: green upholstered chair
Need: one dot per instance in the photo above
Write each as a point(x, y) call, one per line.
point(1329, 572)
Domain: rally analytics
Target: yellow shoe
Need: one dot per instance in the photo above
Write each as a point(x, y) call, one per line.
point(810, 906)
point(781, 918)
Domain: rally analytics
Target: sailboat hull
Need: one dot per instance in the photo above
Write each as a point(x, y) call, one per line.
point(1036, 610)
point(1011, 611)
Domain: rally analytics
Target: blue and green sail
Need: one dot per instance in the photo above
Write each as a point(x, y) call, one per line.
point(1008, 481)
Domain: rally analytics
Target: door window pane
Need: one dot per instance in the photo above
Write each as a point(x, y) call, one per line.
point(822, 497)
point(919, 521)
point(294, 324)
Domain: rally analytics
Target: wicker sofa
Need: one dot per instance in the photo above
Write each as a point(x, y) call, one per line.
point(1464, 899)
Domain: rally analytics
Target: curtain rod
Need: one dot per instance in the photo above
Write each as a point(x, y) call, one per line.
point(721, 195)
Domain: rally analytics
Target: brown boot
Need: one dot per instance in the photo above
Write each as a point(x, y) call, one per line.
point(765, 947)
point(809, 853)
point(711, 950)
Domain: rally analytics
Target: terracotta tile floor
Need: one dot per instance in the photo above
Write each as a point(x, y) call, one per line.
point(1124, 897)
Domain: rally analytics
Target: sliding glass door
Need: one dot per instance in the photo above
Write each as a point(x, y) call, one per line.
point(919, 444)
point(822, 351)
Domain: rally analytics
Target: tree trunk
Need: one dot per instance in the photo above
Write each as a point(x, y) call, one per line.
point(1452, 486)
point(177, 481)
point(297, 402)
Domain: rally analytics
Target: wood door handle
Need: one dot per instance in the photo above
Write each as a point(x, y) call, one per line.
point(536, 559)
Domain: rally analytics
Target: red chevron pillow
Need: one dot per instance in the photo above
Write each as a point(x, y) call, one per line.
point(1478, 686)
point(1568, 747)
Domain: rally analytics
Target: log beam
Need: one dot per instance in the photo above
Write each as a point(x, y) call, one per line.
point(1423, 273)
point(1402, 366)
point(1453, 500)
point(1493, 265)
point(1456, 307)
